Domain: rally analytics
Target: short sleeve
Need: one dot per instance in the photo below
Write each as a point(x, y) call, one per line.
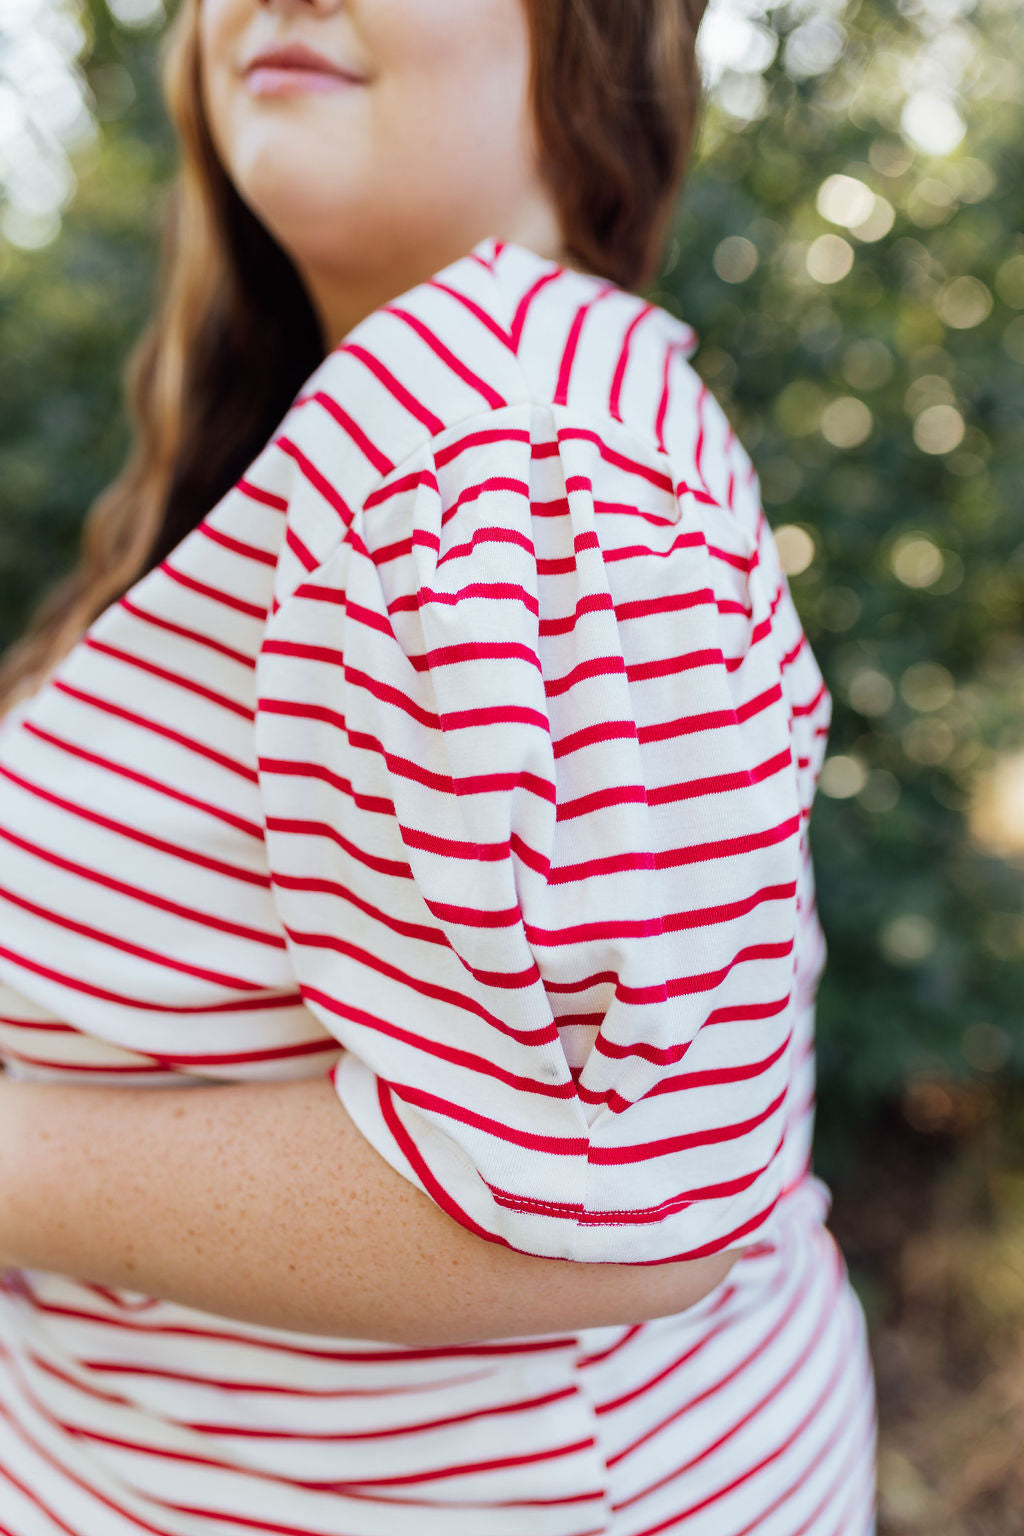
point(534, 828)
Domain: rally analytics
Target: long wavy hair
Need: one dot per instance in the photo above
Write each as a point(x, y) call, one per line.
point(615, 91)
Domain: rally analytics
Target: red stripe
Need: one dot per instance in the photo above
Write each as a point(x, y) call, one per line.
point(525, 304)
point(778, 1330)
point(248, 828)
point(668, 729)
point(558, 1146)
point(628, 509)
point(615, 395)
point(545, 1034)
point(668, 1055)
point(569, 355)
point(257, 493)
point(306, 559)
point(494, 591)
point(464, 1469)
point(643, 1216)
point(676, 602)
point(188, 742)
point(477, 311)
point(113, 941)
point(228, 1384)
point(400, 487)
point(370, 451)
point(412, 1427)
point(473, 493)
point(338, 597)
point(219, 866)
point(243, 658)
point(717, 783)
point(299, 828)
point(434, 1189)
point(498, 535)
point(41, 1026)
point(319, 481)
point(644, 551)
point(136, 893)
point(577, 1146)
point(654, 927)
point(485, 437)
point(175, 678)
point(322, 887)
point(666, 1146)
point(143, 1327)
point(474, 650)
point(469, 1061)
point(619, 460)
point(236, 546)
point(671, 666)
point(597, 666)
point(376, 805)
point(666, 379)
point(487, 391)
point(416, 409)
point(682, 1082)
point(225, 599)
point(510, 714)
point(39, 1449)
point(680, 986)
point(398, 767)
point(760, 1407)
point(595, 602)
point(227, 1517)
point(179, 1062)
point(672, 858)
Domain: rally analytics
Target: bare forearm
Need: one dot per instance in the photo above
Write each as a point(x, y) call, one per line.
point(264, 1202)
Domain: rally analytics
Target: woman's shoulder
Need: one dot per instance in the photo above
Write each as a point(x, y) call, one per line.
point(503, 327)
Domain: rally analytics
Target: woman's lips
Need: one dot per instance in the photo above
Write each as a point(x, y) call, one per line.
point(273, 80)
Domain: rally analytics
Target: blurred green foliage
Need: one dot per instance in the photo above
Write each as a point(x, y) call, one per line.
point(903, 539)
point(69, 314)
point(860, 304)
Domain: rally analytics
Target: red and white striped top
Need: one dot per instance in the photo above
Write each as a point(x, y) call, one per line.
point(465, 751)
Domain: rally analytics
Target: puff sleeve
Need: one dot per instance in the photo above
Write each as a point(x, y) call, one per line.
point(533, 823)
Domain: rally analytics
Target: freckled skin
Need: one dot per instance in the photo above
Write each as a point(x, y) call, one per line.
point(374, 187)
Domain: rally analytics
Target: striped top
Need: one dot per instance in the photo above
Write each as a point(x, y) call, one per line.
point(465, 752)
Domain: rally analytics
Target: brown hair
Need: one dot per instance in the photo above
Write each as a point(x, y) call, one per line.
point(615, 91)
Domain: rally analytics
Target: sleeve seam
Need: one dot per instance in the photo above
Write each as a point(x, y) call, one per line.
point(532, 399)
point(486, 413)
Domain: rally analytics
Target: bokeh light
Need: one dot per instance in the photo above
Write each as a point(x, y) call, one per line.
point(997, 806)
point(734, 259)
point(846, 422)
point(870, 692)
point(908, 938)
point(932, 123)
point(964, 302)
point(845, 200)
point(939, 429)
point(842, 776)
point(916, 560)
point(927, 685)
point(829, 258)
point(796, 548)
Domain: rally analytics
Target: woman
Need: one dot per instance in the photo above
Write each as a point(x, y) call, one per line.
point(420, 762)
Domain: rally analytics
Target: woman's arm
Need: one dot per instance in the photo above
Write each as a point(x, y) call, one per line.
point(264, 1202)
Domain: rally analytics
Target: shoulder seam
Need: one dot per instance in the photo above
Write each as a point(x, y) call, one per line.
point(584, 416)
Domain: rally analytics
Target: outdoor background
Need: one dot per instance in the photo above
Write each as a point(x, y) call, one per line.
point(850, 250)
